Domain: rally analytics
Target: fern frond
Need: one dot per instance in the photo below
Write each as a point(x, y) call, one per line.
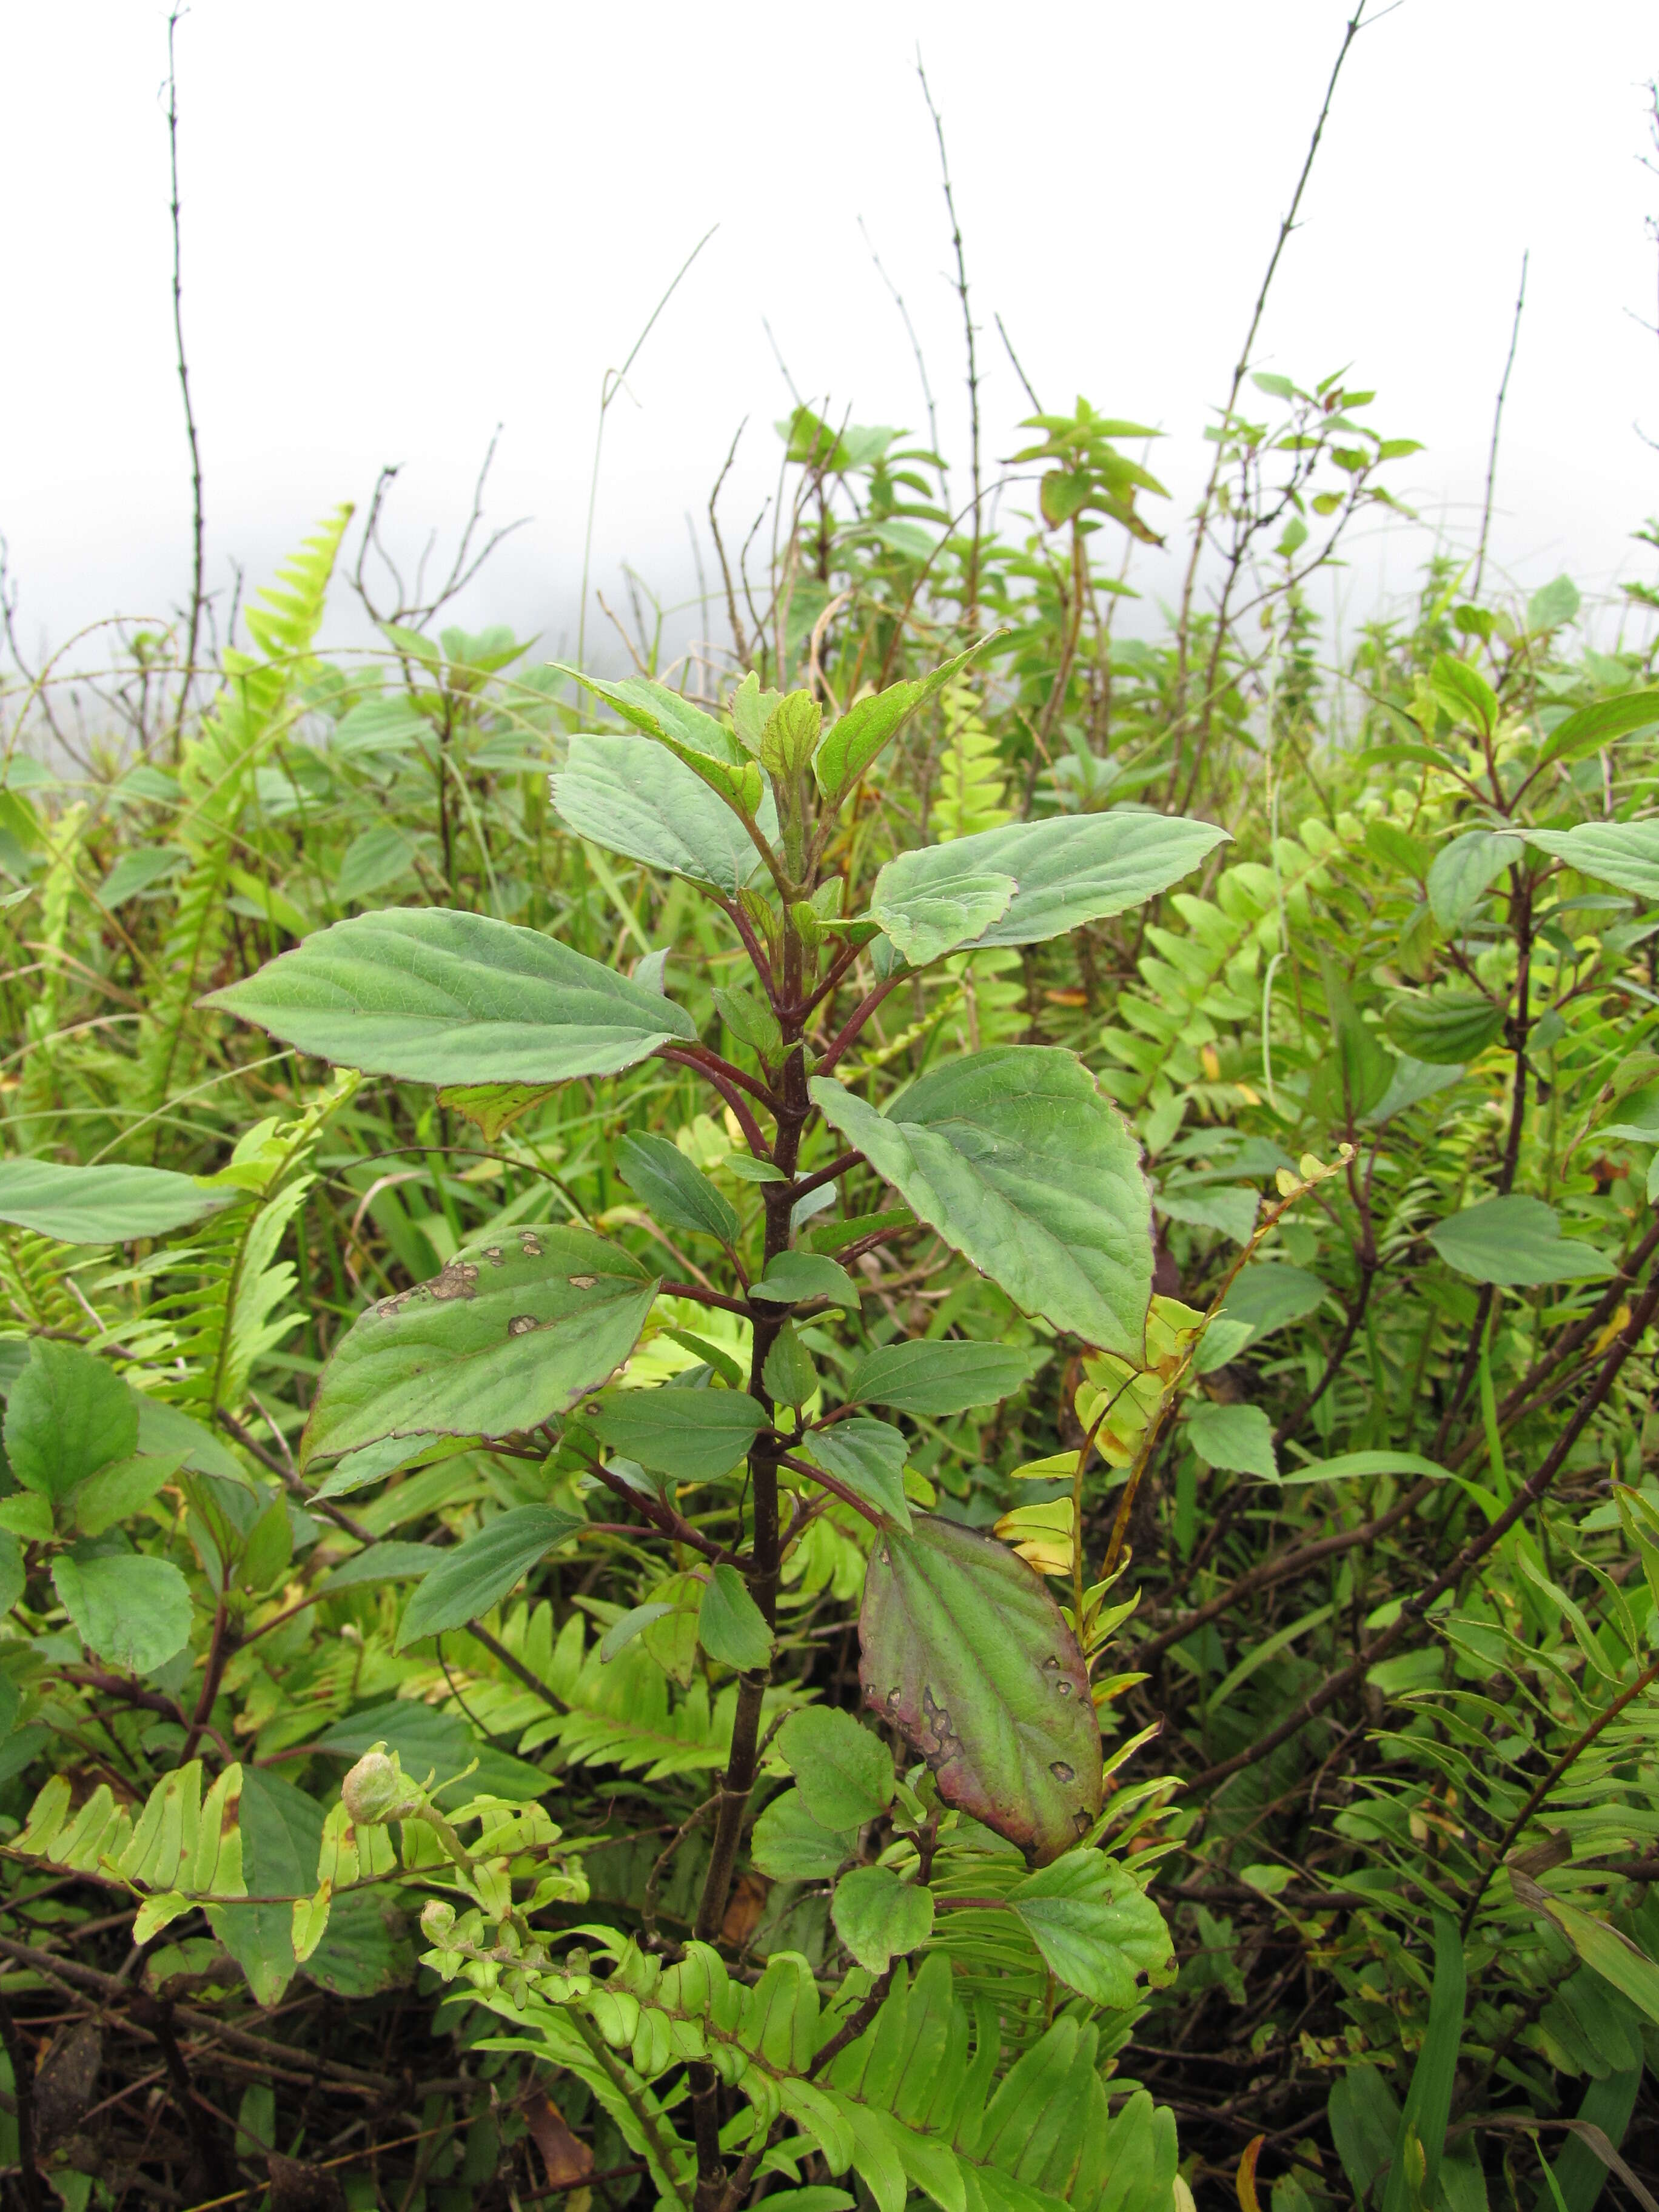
point(217, 775)
point(968, 794)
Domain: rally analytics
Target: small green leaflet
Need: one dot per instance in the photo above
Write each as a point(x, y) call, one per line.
point(867, 1458)
point(1601, 724)
point(842, 1769)
point(624, 795)
point(1059, 873)
point(1095, 1928)
point(132, 1611)
point(790, 1846)
point(691, 1435)
point(1019, 1161)
point(853, 742)
point(878, 1915)
point(965, 1652)
point(69, 1414)
point(1270, 1295)
point(1464, 694)
point(1237, 1438)
point(510, 1335)
point(391, 1561)
point(1515, 1241)
point(1444, 1029)
point(933, 1380)
point(1622, 853)
point(1463, 871)
point(468, 1580)
point(795, 1276)
point(103, 1206)
point(435, 996)
point(679, 1195)
point(731, 1626)
point(707, 747)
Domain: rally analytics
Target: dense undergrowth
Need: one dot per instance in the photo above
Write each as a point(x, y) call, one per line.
point(1354, 1394)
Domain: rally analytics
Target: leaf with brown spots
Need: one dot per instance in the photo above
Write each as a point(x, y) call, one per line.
point(967, 1654)
point(511, 1333)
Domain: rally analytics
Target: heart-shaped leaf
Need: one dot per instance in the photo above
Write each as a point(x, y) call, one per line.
point(1019, 1161)
point(965, 1652)
point(440, 997)
point(510, 1335)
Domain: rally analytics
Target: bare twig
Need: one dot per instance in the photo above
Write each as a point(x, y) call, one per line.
point(1496, 424)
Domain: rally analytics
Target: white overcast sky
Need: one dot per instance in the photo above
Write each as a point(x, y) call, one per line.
point(405, 223)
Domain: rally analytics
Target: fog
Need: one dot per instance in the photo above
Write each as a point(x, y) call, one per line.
point(404, 226)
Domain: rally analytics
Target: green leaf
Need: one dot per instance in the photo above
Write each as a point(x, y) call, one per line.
point(1550, 606)
point(1445, 1028)
point(1464, 693)
point(121, 1489)
point(69, 1414)
point(1365, 2120)
point(1271, 1295)
point(844, 1773)
point(389, 1561)
point(1019, 1161)
point(878, 1917)
point(1622, 853)
point(1463, 871)
point(492, 1107)
point(1068, 870)
point(440, 997)
point(510, 1335)
point(789, 1376)
point(281, 1832)
point(926, 918)
point(853, 741)
point(707, 747)
point(633, 1623)
point(1614, 1956)
point(935, 1380)
point(11, 1589)
point(466, 1581)
point(1428, 2101)
point(1603, 724)
point(133, 1611)
point(103, 1206)
point(790, 1846)
point(731, 1626)
point(966, 1653)
point(1095, 1928)
point(626, 797)
point(1231, 1210)
point(1237, 1438)
point(866, 1458)
point(794, 1276)
point(679, 1195)
point(693, 1435)
point(1515, 1241)
point(1365, 1463)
